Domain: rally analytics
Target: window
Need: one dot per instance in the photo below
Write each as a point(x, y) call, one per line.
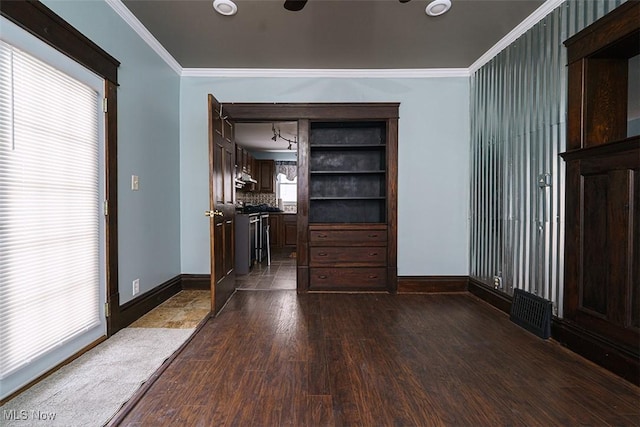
point(52, 284)
point(287, 190)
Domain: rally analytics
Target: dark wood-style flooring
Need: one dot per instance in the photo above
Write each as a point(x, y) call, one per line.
point(277, 358)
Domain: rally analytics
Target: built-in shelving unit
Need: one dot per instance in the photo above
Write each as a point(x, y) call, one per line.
point(347, 172)
point(348, 192)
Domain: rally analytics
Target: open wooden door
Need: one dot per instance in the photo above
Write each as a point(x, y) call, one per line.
point(222, 205)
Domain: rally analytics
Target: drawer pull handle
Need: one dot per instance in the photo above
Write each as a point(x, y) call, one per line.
point(373, 276)
point(322, 254)
point(322, 236)
point(372, 235)
point(322, 276)
point(373, 253)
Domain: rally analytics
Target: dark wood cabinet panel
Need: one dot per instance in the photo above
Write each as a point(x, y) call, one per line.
point(347, 278)
point(605, 106)
point(290, 230)
point(238, 164)
point(595, 243)
point(350, 237)
point(275, 236)
point(283, 229)
point(266, 176)
point(343, 256)
point(602, 234)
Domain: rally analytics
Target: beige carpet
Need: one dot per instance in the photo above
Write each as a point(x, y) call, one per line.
point(91, 389)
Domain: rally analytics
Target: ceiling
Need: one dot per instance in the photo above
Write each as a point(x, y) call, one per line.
point(258, 136)
point(329, 34)
point(326, 34)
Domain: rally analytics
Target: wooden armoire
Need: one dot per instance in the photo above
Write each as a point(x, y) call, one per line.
point(602, 240)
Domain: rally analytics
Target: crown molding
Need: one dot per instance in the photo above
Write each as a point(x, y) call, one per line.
point(144, 34)
point(326, 73)
point(531, 20)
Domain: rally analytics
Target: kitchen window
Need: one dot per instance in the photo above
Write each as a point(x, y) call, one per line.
point(287, 191)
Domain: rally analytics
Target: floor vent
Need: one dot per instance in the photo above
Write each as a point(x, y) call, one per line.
point(532, 313)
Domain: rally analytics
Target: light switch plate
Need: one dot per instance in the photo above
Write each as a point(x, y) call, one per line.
point(135, 182)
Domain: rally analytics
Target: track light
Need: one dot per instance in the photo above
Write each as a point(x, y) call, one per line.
point(276, 135)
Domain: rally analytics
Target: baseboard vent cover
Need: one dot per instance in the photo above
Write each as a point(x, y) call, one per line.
point(532, 313)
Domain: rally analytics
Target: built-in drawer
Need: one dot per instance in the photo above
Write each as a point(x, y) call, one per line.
point(344, 256)
point(339, 237)
point(347, 278)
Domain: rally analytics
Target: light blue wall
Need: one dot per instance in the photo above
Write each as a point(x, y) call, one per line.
point(148, 146)
point(433, 181)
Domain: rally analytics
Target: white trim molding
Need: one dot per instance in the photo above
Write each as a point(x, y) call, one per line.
point(326, 73)
point(144, 34)
point(538, 15)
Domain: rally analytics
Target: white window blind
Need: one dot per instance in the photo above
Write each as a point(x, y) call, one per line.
point(50, 265)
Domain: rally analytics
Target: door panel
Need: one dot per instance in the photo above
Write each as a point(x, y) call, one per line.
point(222, 204)
point(608, 258)
point(593, 293)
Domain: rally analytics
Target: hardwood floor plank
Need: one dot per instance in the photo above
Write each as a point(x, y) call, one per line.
point(344, 384)
point(318, 411)
point(276, 358)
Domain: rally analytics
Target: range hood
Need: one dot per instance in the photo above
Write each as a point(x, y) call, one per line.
point(246, 178)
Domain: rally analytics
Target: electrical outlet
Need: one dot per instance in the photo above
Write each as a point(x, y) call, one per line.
point(136, 286)
point(497, 282)
point(135, 182)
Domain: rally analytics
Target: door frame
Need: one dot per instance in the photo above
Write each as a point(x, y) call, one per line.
point(304, 113)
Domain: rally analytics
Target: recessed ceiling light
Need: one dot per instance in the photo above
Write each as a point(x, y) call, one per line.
point(225, 7)
point(438, 7)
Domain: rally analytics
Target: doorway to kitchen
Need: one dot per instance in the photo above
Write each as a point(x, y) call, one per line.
point(266, 204)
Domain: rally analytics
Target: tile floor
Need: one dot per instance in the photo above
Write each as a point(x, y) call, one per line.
point(187, 308)
point(184, 310)
point(280, 275)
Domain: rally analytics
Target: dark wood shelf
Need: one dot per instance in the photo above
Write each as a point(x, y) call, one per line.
point(349, 198)
point(346, 146)
point(348, 172)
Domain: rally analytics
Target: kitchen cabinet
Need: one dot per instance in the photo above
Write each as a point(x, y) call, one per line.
point(238, 162)
point(275, 220)
point(266, 176)
point(289, 230)
point(248, 162)
point(283, 229)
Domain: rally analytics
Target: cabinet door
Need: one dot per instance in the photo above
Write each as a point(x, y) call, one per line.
point(274, 231)
point(238, 162)
point(266, 176)
point(290, 230)
point(602, 284)
point(244, 158)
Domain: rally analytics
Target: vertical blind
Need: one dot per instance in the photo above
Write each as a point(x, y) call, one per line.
point(49, 209)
